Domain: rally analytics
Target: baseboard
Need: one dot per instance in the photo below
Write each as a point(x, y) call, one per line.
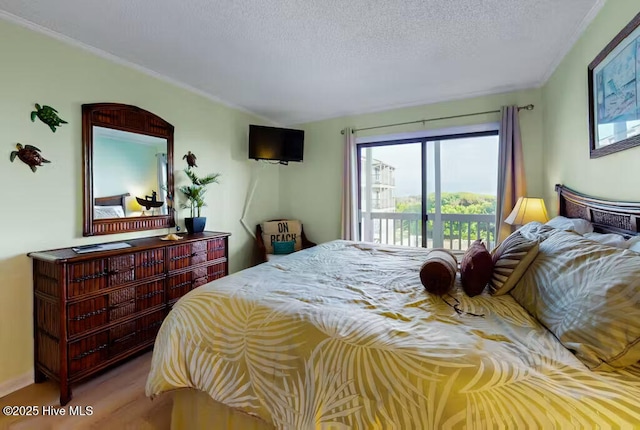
point(14, 384)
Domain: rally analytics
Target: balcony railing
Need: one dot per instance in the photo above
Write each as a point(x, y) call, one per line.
point(458, 230)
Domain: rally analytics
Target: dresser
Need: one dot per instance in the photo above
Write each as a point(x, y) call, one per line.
point(93, 310)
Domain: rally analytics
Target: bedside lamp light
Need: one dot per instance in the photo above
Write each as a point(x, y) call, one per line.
point(133, 207)
point(526, 210)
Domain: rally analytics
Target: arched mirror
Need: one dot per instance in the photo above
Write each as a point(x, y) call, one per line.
point(127, 171)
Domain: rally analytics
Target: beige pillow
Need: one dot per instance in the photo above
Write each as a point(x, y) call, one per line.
point(281, 231)
point(587, 294)
point(510, 260)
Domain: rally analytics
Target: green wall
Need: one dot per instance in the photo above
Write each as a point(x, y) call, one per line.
point(566, 121)
point(43, 210)
point(125, 167)
point(555, 137)
point(312, 190)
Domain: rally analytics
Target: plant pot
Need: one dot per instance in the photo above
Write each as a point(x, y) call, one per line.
point(195, 225)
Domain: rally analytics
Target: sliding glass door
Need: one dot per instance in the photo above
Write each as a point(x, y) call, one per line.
point(390, 190)
point(436, 192)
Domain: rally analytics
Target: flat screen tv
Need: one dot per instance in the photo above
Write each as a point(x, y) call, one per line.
point(273, 143)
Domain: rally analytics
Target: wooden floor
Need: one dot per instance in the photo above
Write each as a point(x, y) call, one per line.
point(117, 398)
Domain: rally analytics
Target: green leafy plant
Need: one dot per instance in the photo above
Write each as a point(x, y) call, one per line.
point(196, 191)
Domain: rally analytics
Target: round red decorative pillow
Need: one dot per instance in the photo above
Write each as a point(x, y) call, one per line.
point(438, 273)
point(476, 269)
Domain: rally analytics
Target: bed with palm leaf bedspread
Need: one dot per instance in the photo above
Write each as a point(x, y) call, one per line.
point(343, 335)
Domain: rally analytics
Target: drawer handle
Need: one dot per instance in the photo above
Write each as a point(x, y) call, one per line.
point(121, 304)
point(91, 351)
point(122, 339)
point(181, 284)
point(89, 314)
point(151, 263)
point(121, 270)
point(180, 257)
point(148, 295)
point(152, 325)
point(88, 277)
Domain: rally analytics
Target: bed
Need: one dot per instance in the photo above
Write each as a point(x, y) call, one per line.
point(110, 206)
point(343, 335)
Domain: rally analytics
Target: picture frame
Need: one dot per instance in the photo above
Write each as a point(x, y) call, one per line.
point(614, 94)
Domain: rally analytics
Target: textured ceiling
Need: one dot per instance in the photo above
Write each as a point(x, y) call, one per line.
point(299, 60)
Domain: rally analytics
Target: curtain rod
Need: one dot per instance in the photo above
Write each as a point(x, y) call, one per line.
point(527, 107)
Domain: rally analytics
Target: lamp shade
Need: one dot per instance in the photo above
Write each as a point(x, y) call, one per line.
point(526, 210)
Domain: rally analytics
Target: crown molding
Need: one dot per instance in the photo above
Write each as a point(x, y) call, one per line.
point(121, 61)
point(571, 41)
point(416, 103)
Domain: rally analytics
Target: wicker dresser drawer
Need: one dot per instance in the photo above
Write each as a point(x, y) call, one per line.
point(122, 303)
point(216, 248)
point(121, 270)
point(109, 307)
point(87, 314)
point(85, 278)
point(216, 271)
point(88, 352)
point(182, 283)
point(97, 348)
point(189, 254)
point(149, 263)
point(93, 310)
point(134, 333)
point(122, 338)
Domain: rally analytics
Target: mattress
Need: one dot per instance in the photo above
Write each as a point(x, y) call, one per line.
point(343, 335)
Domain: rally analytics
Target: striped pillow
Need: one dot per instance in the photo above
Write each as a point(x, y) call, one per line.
point(510, 260)
point(438, 273)
point(587, 294)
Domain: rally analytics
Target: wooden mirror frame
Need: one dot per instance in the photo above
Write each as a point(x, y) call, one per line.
point(135, 120)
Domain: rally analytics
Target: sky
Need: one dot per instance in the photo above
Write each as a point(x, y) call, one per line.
point(469, 164)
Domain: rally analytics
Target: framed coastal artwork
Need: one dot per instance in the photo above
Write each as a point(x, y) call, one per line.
point(614, 94)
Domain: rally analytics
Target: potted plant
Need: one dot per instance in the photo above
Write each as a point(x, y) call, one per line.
point(195, 199)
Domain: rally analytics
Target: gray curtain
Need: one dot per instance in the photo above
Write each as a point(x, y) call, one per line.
point(349, 189)
point(512, 183)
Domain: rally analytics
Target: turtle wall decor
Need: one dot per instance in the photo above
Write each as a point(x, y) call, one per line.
point(48, 115)
point(191, 159)
point(30, 155)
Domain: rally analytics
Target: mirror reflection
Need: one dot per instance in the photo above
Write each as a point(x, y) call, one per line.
point(129, 174)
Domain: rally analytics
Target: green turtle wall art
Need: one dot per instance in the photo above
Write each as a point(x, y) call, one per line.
point(48, 115)
point(30, 155)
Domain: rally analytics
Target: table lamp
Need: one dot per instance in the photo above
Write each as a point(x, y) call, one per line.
point(526, 210)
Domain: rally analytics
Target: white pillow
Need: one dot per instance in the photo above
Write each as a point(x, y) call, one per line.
point(611, 239)
point(580, 226)
point(102, 212)
point(633, 244)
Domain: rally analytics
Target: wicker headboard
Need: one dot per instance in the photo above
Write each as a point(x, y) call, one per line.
point(118, 200)
point(607, 216)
